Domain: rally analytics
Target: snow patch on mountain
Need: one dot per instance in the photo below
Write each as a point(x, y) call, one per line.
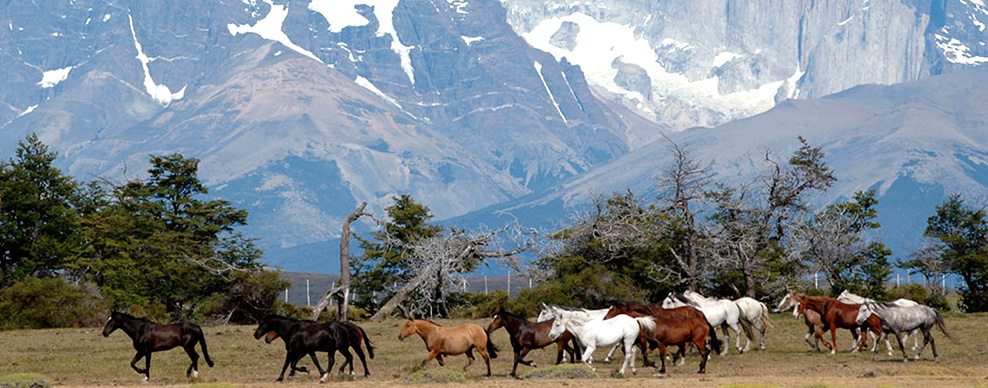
point(51, 78)
point(159, 93)
point(342, 13)
point(538, 69)
point(957, 52)
point(600, 45)
point(270, 28)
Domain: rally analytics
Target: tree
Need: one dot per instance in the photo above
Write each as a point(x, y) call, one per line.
point(38, 216)
point(342, 292)
point(750, 222)
point(962, 235)
point(385, 261)
point(156, 242)
point(685, 183)
point(833, 241)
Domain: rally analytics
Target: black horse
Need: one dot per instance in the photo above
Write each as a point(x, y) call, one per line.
point(526, 335)
point(150, 337)
point(312, 337)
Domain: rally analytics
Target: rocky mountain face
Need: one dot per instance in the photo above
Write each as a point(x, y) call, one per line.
point(914, 143)
point(706, 62)
point(300, 110)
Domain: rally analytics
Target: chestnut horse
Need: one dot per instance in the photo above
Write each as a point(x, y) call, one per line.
point(453, 341)
point(526, 335)
point(838, 315)
point(679, 326)
point(150, 337)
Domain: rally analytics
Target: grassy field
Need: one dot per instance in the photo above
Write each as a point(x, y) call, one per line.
point(82, 357)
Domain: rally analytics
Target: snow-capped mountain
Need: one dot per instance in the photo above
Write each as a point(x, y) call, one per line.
point(299, 110)
point(914, 143)
point(706, 62)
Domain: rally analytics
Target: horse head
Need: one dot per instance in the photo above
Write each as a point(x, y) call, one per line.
point(411, 327)
point(558, 327)
point(865, 311)
point(496, 322)
point(111, 323)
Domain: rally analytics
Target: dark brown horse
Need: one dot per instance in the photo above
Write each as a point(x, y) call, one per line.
point(682, 326)
point(453, 341)
point(834, 315)
point(149, 337)
point(526, 336)
point(346, 335)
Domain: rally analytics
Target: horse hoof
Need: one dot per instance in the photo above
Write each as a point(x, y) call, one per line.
point(195, 374)
point(660, 374)
point(144, 380)
point(323, 378)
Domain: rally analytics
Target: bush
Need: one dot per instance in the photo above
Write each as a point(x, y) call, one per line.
point(24, 380)
point(353, 313)
point(441, 375)
point(34, 303)
point(477, 304)
point(250, 298)
point(561, 371)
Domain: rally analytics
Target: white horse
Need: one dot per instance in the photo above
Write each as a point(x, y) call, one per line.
point(756, 313)
point(550, 312)
point(592, 333)
point(902, 319)
point(720, 313)
point(848, 297)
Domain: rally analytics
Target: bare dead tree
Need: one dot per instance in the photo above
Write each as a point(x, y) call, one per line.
point(438, 262)
point(685, 182)
point(831, 243)
point(342, 291)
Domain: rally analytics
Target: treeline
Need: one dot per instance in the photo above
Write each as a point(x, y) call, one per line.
point(154, 246)
point(157, 246)
point(756, 238)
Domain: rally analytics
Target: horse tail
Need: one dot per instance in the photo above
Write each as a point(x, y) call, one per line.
point(205, 353)
point(943, 326)
point(646, 323)
point(366, 340)
point(715, 343)
point(745, 323)
point(767, 323)
point(491, 349)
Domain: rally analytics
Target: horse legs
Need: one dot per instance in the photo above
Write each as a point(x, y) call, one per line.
point(587, 356)
point(927, 338)
point(662, 355)
point(433, 354)
point(469, 359)
point(147, 366)
point(486, 357)
point(611, 353)
point(727, 339)
point(194, 366)
point(360, 353)
point(348, 360)
point(629, 356)
point(739, 334)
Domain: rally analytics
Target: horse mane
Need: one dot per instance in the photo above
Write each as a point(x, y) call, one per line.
point(131, 317)
point(567, 308)
point(509, 314)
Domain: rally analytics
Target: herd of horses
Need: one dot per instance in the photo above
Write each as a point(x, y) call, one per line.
point(686, 320)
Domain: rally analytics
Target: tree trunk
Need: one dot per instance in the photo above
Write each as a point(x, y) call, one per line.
point(400, 296)
point(342, 293)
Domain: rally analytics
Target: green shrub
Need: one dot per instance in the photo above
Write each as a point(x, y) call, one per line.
point(439, 375)
point(34, 303)
point(477, 304)
point(24, 380)
point(561, 371)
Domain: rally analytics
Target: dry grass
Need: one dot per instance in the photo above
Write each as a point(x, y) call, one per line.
point(82, 357)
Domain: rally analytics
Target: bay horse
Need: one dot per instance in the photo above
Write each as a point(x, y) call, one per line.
point(680, 326)
point(593, 333)
point(276, 326)
point(526, 336)
point(903, 319)
point(719, 312)
point(810, 318)
point(453, 341)
point(149, 337)
point(838, 315)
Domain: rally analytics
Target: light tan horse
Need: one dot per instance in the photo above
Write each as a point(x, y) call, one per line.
point(453, 341)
